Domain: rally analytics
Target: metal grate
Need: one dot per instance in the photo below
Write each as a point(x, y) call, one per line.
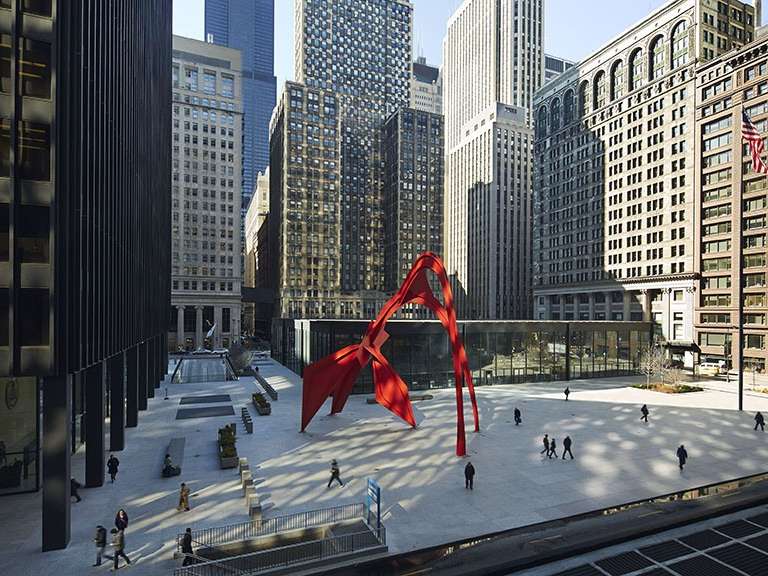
point(623, 563)
point(759, 542)
point(658, 572)
point(702, 566)
point(186, 413)
point(744, 558)
point(585, 570)
point(705, 539)
point(739, 529)
point(666, 551)
point(761, 519)
point(209, 399)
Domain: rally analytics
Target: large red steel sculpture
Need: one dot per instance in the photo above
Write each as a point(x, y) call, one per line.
point(335, 375)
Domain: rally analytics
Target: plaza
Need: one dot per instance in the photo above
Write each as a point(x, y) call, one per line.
point(424, 502)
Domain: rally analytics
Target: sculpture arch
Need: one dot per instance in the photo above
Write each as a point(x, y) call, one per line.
point(335, 375)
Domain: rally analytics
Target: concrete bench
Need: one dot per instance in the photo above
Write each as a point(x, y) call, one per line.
point(242, 464)
point(247, 422)
point(175, 450)
point(271, 392)
point(254, 507)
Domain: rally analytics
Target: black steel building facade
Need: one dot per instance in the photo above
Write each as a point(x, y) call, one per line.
point(85, 128)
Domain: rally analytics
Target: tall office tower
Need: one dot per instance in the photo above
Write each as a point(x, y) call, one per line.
point(361, 51)
point(249, 26)
point(554, 66)
point(493, 61)
point(426, 87)
point(730, 199)
point(413, 190)
point(615, 212)
point(255, 217)
point(206, 190)
point(84, 237)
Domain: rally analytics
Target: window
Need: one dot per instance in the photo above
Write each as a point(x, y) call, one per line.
point(38, 7)
point(714, 339)
point(35, 68)
point(754, 319)
point(754, 280)
point(717, 176)
point(717, 141)
point(716, 300)
point(5, 63)
point(677, 295)
point(716, 318)
point(35, 146)
point(717, 159)
point(717, 194)
point(617, 80)
point(754, 260)
point(175, 80)
point(717, 246)
point(719, 228)
point(636, 69)
point(35, 323)
point(754, 300)
point(754, 204)
point(599, 95)
point(716, 125)
point(716, 211)
point(755, 341)
point(33, 231)
point(679, 45)
point(757, 241)
point(191, 79)
point(657, 58)
point(227, 86)
point(5, 147)
point(717, 282)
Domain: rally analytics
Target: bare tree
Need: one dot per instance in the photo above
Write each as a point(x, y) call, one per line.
point(675, 376)
point(653, 360)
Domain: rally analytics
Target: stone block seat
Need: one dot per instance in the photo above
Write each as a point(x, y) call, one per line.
point(175, 450)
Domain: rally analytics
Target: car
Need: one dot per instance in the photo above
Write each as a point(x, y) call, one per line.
point(710, 368)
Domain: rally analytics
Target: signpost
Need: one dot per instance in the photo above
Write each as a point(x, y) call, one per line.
point(373, 498)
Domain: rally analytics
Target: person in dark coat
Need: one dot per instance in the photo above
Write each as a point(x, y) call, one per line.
point(682, 456)
point(759, 421)
point(545, 441)
point(567, 447)
point(644, 412)
point(121, 519)
point(567, 393)
point(469, 476)
point(186, 548)
point(335, 473)
point(74, 486)
point(112, 465)
point(518, 417)
point(552, 448)
point(101, 542)
point(118, 541)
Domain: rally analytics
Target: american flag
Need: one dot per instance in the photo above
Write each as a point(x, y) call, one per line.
point(756, 145)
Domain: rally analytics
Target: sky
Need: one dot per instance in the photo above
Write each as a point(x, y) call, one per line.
point(572, 28)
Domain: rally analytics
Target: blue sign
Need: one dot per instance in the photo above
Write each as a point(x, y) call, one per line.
point(373, 501)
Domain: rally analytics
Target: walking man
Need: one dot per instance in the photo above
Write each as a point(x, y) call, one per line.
point(101, 543)
point(118, 541)
point(545, 440)
point(644, 412)
point(518, 417)
point(112, 465)
point(335, 473)
point(183, 498)
point(567, 447)
point(186, 548)
point(552, 448)
point(469, 476)
point(567, 393)
point(682, 456)
point(759, 421)
point(74, 486)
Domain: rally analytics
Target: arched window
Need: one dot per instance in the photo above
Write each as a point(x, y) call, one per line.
point(656, 68)
point(554, 123)
point(584, 97)
point(679, 45)
point(541, 122)
point(568, 107)
point(636, 70)
point(617, 80)
point(599, 94)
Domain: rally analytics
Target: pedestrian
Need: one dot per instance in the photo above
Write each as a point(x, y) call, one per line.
point(545, 441)
point(183, 498)
point(644, 412)
point(682, 456)
point(469, 476)
point(335, 473)
point(518, 417)
point(118, 541)
point(112, 465)
point(101, 542)
point(74, 486)
point(552, 448)
point(567, 393)
point(121, 519)
point(567, 447)
point(759, 421)
point(186, 548)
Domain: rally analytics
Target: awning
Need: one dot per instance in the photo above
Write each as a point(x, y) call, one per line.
point(682, 345)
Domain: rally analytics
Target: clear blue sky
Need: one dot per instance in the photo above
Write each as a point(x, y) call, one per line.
point(596, 21)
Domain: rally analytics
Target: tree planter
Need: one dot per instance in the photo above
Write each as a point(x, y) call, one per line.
point(227, 452)
point(227, 461)
point(262, 405)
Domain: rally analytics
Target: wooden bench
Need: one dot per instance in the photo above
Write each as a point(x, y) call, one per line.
point(175, 450)
point(271, 392)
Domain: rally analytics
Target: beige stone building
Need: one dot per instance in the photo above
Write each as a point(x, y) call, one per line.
point(732, 209)
point(615, 201)
point(206, 194)
point(255, 218)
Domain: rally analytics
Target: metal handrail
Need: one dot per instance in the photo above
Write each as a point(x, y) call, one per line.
point(257, 528)
point(210, 564)
point(285, 556)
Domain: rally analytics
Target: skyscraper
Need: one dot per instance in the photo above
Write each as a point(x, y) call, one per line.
point(426, 87)
point(493, 62)
point(206, 192)
point(249, 26)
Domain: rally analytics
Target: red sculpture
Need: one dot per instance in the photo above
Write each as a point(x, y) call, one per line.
point(335, 374)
